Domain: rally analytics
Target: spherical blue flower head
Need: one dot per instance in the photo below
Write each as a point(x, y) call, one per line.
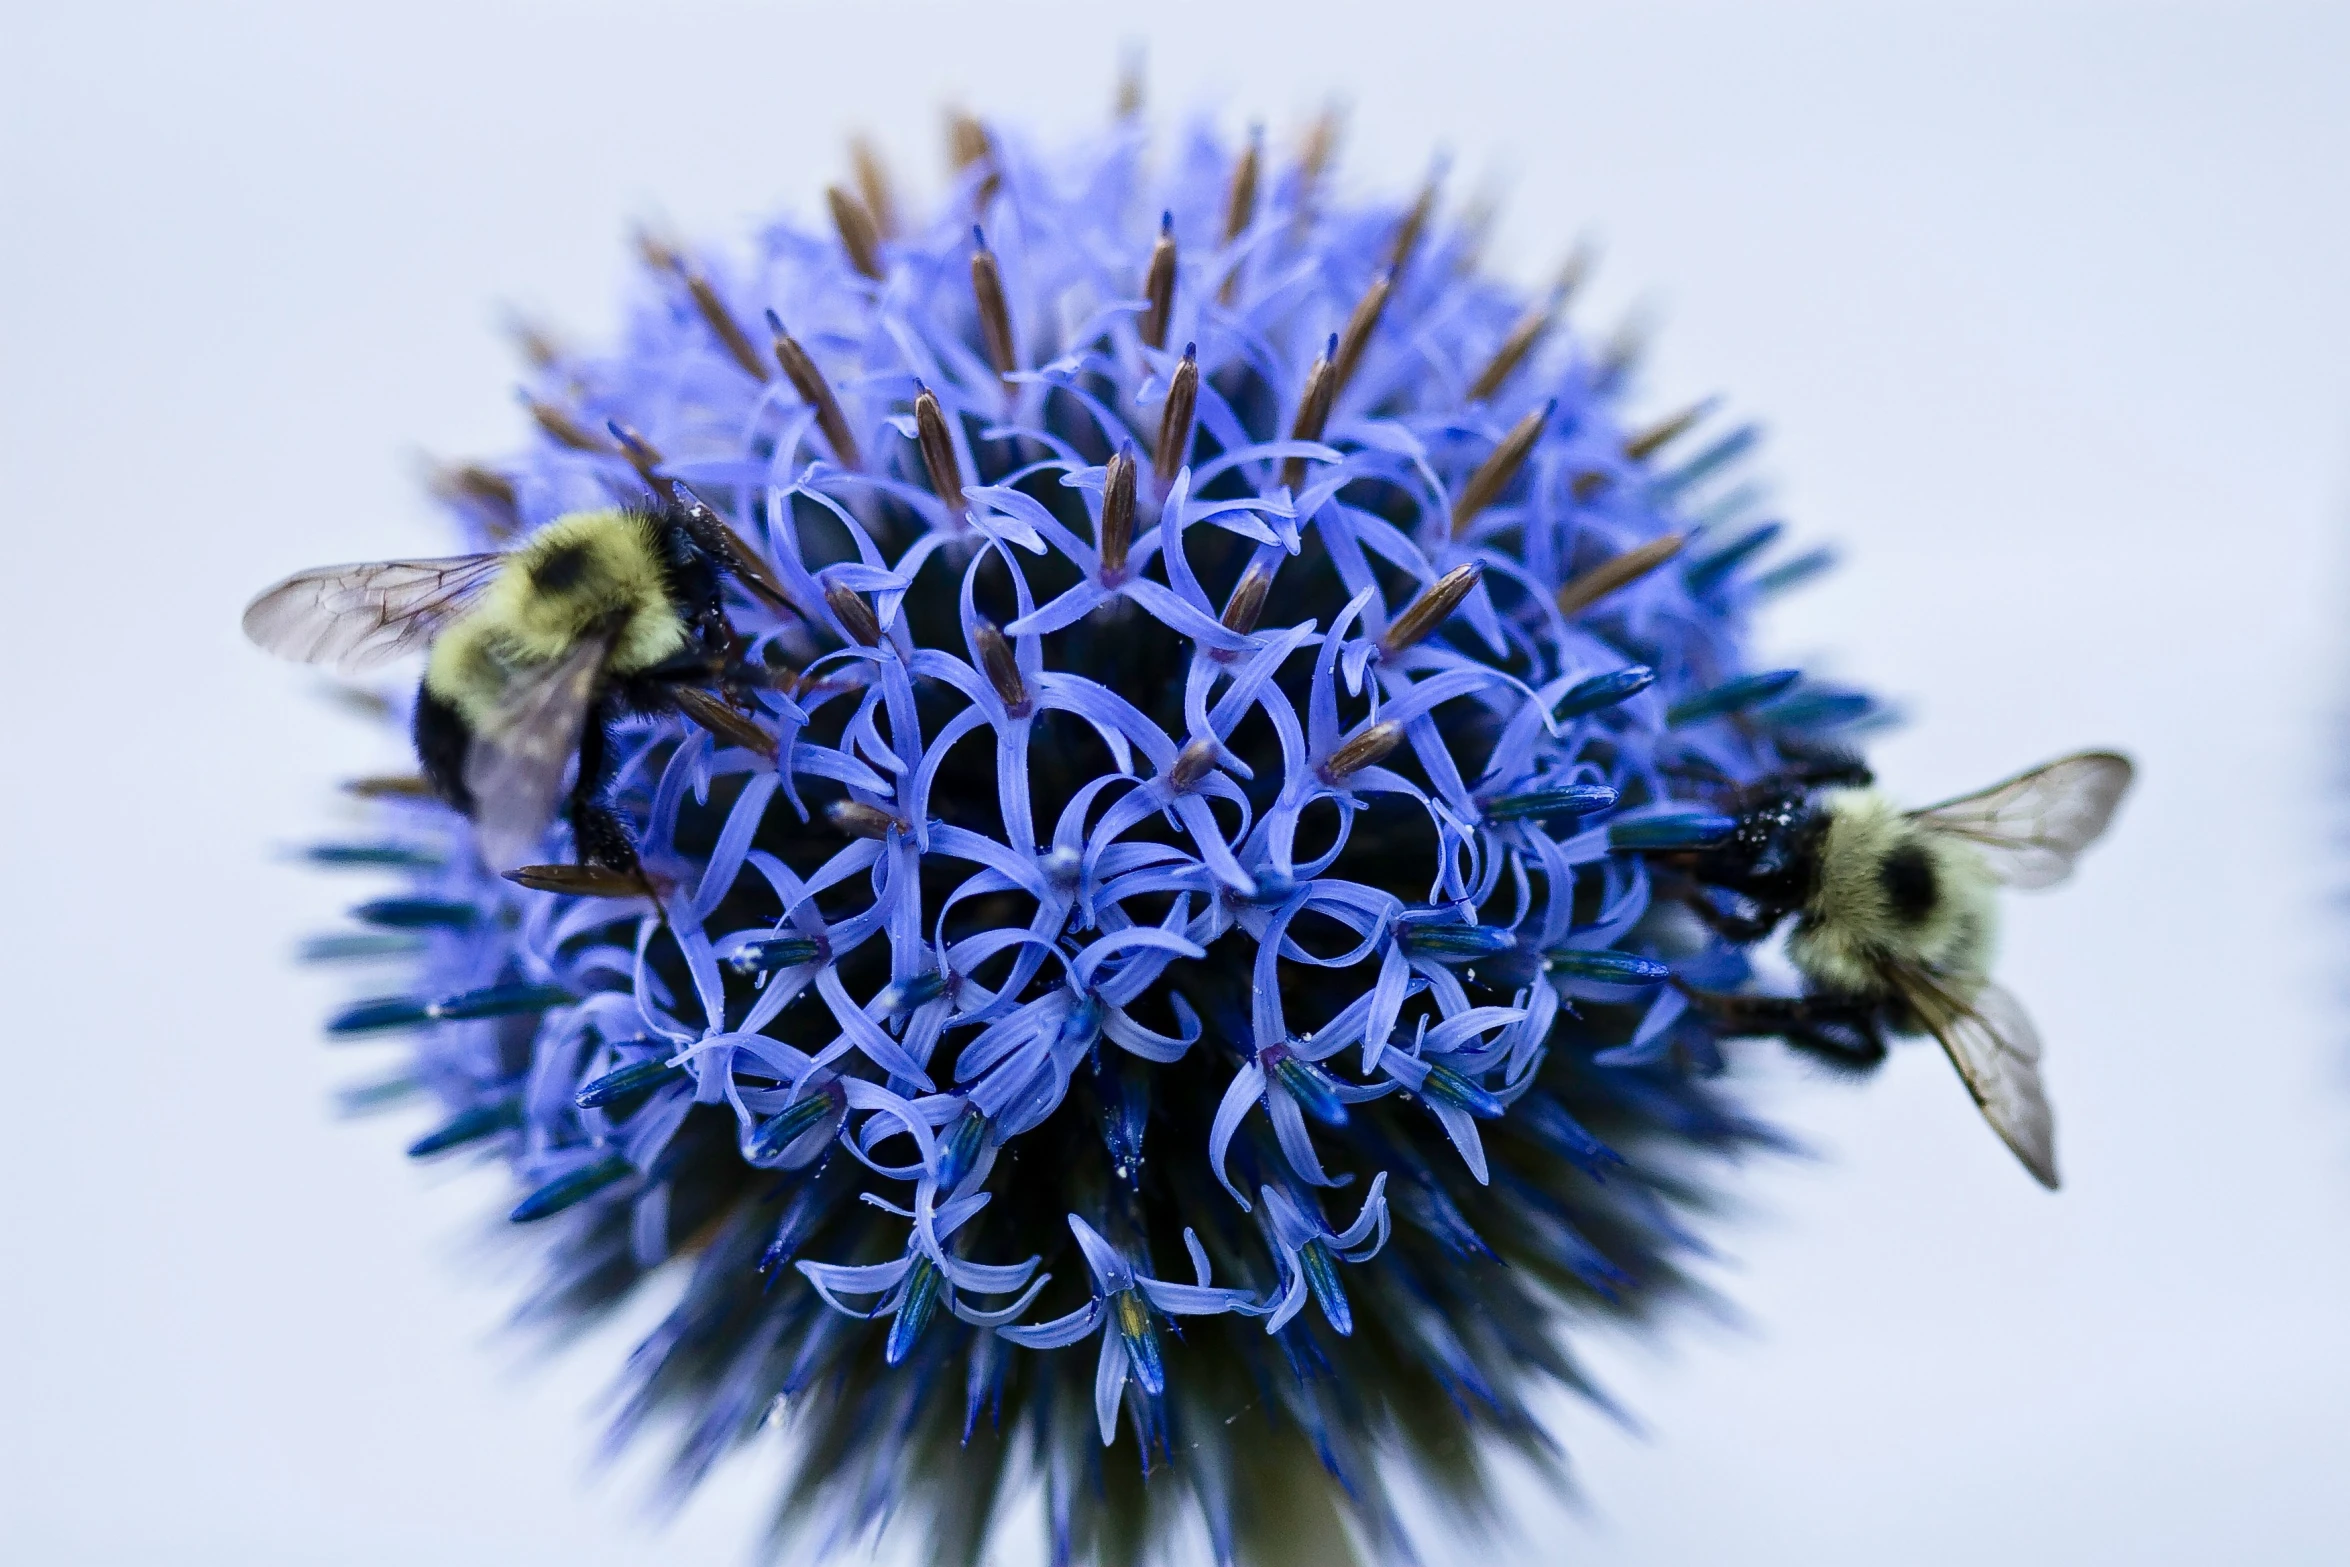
point(1167, 998)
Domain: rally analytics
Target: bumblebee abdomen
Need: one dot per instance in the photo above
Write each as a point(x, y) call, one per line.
point(1891, 890)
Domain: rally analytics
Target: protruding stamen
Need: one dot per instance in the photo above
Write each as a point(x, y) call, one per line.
point(1175, 416)
point(873, 185)
point(1432, 608)
point(417, 913)
point(581, 881)
point(663, 257)
point(995, 316)
point(1321, 1271)
point(968, 144)
point(856, 617)
point(1313, 410)
point(1587, 485)
point(1494, 474)
point(1603, 691)
point(860, 820)
point(1565, 800)
point(724, 722)
point(788, 1125)
point(1622, 350)
point(1158, 285)
point(1360, 752)
point(376, 856)
point(901, 996)
point(960, 1149)
point(468, 1126)
point(1248, 600)
point(859, 238)
point(1676, 830)
point(489, 495)
point(564, 430)
point(638, 1078)
point(1455, 943)
point(816, 392)
point(1648, 442)
point(1117, 529)
point(1606, 967)
point(1127, 101)
point(645, 458)
point(771, 953)
point(1193, 763)
point(1731, 696)
point(538, 346)
point(576, 1187)
point(1315, 1091)
point(938, 452)
point(1530, 330)
point(1240, 204)
point(1610, 575)
point(1317, 151)
point(389, 786)
point(914, 1310)
point(1002, 668)
point(1357, 335)
point(1453, 1087)
point(1414, 227)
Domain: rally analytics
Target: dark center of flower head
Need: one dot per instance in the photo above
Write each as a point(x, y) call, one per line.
point(1168, 883)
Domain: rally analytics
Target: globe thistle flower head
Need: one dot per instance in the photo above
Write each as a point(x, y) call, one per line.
point(1158, 993)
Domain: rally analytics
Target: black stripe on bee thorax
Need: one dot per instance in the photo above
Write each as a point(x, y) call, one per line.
point(1907, 877)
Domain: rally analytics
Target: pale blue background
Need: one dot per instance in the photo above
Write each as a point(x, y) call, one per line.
point(2048, 309)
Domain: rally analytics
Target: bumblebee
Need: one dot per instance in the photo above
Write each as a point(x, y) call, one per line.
point(532, 654)
point(1895, 915)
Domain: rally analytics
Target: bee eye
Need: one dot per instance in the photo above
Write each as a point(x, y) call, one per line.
point(1907, 875)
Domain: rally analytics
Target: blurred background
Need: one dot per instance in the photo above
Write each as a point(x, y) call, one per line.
point(2046, 307)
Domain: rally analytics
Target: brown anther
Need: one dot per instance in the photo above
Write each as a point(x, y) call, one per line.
point(728, 725)
point(723, 326)
point(1621, 352)
point(1575, 269)
point(1589, 483)
point(1432, 608)
point(968, 144)
point(1318, 150)
point(1357, 336)
point(584, 881)
point(860, 820)
point(1500, 466)
point(488, 494)
point(1240, 205)
point(1531, 329)
point(1002, 668)
point(392, 786)
point(873, 185)
point(645, 458)
point(537, 345)
point(1116, 535)
point(1248, 600)
point(1127, 102)
point(1648, 442)
point(816, 392)
point(1413, 228)
point(656, 252)
point(856, 617)
point(1354, 755)
point(1621, 571)
point(1313, 411)
point(995, 316)
point(1158, 286)
point(563, 430)
point(858, 236)
point(938, 453)
point(1174, 443)
point(1193, 763)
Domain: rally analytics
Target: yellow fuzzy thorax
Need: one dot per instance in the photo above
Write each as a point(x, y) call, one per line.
point(1849, 930)
point(552, 588)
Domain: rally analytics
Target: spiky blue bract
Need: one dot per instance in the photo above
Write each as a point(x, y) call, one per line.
point(1195, 1058)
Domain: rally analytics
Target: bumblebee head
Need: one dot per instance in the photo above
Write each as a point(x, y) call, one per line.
point(1891, 889)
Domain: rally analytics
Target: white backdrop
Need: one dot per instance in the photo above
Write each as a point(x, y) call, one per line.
point(2048, 311)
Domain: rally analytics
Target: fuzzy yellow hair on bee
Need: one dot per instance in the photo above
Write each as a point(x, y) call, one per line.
point(1890, 887)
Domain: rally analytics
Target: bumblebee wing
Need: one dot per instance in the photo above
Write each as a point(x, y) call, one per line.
point(2031, 827)
point(514, 764)
point(1997, 1052)
point(356, 617)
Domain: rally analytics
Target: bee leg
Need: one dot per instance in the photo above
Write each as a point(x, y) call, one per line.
point(1844, 1034)
point(1740, 930)
point(598, 836)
